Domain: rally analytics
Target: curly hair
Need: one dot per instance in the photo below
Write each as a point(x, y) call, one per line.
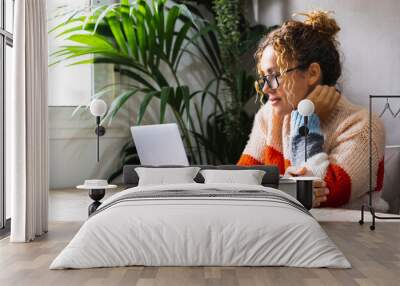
point(307, 42)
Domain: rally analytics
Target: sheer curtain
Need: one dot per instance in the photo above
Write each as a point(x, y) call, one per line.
point(26, 119)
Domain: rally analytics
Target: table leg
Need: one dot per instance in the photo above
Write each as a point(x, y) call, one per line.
point(304, 193)
point(96, 195)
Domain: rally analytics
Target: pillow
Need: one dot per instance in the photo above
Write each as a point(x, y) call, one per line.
point(248, 177)
point(163, 176)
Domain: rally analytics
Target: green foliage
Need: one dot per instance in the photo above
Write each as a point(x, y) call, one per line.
point(227, 19)
point(139, 38)
point(142, 38)
point(236, 38)
point(227, 128)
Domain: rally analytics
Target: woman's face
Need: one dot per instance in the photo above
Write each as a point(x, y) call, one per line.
point(283, 100)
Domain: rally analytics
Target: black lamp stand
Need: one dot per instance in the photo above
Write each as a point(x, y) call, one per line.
point(96, 195)
point(100, 131)
point(304, 188)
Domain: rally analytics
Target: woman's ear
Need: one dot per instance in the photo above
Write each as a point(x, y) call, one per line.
point(314, 74)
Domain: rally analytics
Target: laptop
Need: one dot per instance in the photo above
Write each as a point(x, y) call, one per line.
point(159, 144)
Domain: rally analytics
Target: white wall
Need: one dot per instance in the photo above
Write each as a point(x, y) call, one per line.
point(370, 45)
point(68, 85)
point(73, 144)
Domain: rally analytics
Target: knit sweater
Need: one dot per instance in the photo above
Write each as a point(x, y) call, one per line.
point(338, 154)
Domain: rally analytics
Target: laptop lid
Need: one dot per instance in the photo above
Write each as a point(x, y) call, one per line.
point(159, 144)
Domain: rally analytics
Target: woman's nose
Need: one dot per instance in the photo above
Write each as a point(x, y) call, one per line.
point(266, 89)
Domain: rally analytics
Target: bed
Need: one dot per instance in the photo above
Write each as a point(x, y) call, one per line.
point(197, 224)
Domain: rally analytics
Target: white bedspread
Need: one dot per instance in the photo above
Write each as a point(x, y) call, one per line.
point(200, 231)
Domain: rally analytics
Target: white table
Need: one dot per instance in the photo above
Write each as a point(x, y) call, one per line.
point(332, 214)
point(345, 215)
point(288, 186)
point(96, 193)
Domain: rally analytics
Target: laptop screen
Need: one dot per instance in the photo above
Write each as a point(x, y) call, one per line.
point(159, 144)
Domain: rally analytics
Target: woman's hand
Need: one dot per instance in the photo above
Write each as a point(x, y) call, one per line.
point(319, 187)
point(320, 193)
point(325, 99)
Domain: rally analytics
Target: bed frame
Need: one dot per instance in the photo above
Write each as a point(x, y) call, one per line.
point(271, 178)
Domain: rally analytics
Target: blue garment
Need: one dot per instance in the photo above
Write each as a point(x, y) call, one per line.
point(315, 138)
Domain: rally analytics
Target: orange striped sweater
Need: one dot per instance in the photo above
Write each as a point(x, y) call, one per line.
point(344, 161)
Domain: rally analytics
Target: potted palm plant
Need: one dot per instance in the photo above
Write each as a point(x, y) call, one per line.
point(144, 41)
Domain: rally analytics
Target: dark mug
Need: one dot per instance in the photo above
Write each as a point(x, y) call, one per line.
point(304, 193)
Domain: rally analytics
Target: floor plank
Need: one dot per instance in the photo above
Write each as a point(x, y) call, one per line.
point(375, 257)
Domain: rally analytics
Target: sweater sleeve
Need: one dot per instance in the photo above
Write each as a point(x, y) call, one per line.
point(345, 168)
point(254, 151)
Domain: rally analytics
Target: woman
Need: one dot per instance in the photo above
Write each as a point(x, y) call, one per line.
point(300, 60)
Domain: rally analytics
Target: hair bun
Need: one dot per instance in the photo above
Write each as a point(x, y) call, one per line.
point(321, 22)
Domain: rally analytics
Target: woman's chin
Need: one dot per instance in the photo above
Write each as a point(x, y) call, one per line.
point(280, 109)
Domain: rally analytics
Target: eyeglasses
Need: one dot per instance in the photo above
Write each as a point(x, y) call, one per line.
point(272, 79)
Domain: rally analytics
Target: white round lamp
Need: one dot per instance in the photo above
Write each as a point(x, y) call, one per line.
point(306, 107)
point(98, 108)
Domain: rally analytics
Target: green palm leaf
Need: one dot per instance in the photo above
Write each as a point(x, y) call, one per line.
point(118, 103)
point(143, 105)
point(141, 32)
point(164, 98)
point(104, 14)
point(115, 26)
point(182, 34)
point(170, 27)
point(127, 25)
point(136, 76)
point(97, 41)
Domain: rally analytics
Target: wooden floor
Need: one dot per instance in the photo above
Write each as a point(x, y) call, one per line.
point(374, 255)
